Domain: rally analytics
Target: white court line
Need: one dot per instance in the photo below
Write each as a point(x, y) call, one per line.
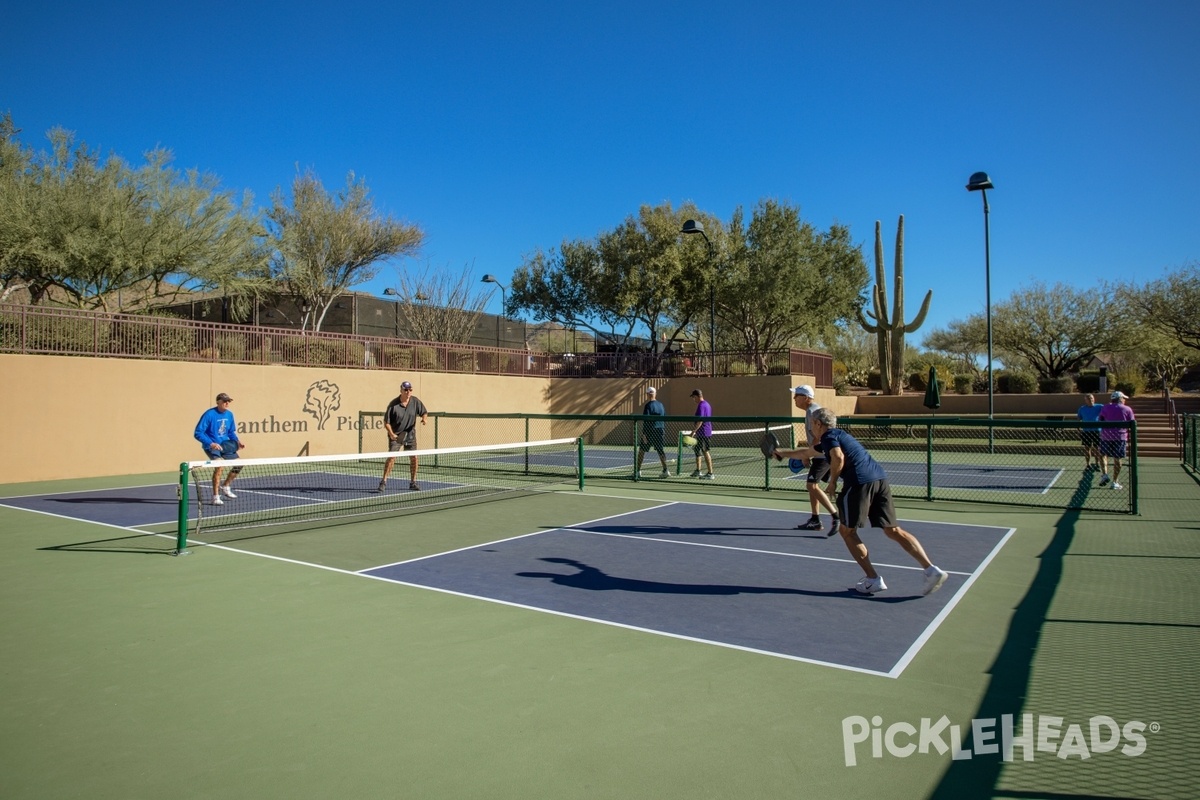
point(644, 538)
point(936, 622)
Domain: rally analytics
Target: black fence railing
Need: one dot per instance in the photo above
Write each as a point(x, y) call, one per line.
point(44, 330)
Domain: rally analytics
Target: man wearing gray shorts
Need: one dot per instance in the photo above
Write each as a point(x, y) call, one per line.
point(400, 422)
point(866, 497)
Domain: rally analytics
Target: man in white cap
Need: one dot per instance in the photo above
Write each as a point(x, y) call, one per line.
point(653, 432)
point(818, 468)
point(1113, 440)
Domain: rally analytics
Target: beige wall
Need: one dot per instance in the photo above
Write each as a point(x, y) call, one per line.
point(70, 417)
point(913, 405)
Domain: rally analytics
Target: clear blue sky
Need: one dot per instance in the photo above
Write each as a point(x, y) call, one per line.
point(500, 128)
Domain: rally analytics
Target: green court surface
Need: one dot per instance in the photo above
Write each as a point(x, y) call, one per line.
point(261, 666)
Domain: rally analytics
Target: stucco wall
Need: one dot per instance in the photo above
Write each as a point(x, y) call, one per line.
point(70, 417)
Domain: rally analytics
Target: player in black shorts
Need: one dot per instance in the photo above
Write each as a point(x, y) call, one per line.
point(866, 498)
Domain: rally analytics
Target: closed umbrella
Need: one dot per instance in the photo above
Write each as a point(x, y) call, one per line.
point(933, 391)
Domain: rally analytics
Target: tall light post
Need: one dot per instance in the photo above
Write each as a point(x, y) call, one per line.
point(980, 182)
point(691, 226)
point(503, 301)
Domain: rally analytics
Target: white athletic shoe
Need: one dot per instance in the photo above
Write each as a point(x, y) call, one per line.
point(225, 490)
point(708, 476)
point(666, 473)
point(869, 585)
point(217, 501)
point(1116, 485)
point(934, 578)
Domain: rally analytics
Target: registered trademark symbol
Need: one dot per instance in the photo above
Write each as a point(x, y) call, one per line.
point(1155, 727)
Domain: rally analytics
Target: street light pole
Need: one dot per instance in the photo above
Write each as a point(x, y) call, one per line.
point(980, 182)
point(503, 301)
point(692, 226)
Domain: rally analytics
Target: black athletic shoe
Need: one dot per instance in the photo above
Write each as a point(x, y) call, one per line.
point(813, 524)
point(413, 486)
point(833, 529)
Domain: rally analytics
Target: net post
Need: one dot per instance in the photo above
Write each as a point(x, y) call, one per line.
point(181, 532)
point(679, 454)
point(579, 460)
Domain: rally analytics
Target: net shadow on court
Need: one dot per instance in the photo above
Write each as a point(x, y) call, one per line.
point(735, 577)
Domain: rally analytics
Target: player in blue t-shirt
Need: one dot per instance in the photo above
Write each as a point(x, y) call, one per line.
point(217, 433)
point(866, 497)
point(1090, 435)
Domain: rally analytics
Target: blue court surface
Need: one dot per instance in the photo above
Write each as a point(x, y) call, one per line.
point(157, 505)
point(984, 477)
point(735, 577)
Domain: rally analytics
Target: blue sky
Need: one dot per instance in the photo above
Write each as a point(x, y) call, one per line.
point(503, 128)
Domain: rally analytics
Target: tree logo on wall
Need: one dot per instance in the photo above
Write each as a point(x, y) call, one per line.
point(322, 399)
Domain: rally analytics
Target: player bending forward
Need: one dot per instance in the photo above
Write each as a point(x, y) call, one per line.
point(866, 496)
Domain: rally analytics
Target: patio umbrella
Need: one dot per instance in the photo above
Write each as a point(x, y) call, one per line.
point(933, 391)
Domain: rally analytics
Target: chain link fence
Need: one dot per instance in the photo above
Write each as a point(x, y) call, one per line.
point(1022, 462)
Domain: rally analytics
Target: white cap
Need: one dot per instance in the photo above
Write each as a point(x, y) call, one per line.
point(651, 390)
point(1119, 394)
point(803, 391)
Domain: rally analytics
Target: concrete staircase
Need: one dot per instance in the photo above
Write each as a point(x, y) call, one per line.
point(1155, 437)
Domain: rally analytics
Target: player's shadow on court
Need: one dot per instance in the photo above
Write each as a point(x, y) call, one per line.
point(596, 580)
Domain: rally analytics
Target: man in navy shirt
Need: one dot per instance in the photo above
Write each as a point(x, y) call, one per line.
point(653, 432)
point(866, 497)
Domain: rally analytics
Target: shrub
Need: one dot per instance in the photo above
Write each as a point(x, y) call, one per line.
point(1016, 383)
point(1060, 385)
point(962, 383)
point(1130, 387)
point(918, 381)
point(874, 380)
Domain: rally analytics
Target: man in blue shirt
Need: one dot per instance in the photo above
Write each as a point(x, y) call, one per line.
point(703, 435)
point(217, 433)
point(653, 432)
point(1090, 435)
point(866, 497)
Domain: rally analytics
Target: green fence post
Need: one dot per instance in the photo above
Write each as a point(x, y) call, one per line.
point(1133, 469)
point(579, 459)
point(929, 461)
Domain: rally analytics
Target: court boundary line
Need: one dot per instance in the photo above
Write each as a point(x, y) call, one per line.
point(938, 619)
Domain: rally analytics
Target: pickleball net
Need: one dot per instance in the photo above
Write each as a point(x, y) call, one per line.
point(313, 489)
point(738, 446)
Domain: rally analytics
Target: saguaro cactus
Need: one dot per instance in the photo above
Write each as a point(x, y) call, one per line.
point(889, 330)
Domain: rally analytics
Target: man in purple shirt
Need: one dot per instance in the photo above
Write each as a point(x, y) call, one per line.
point(1112, 440)
point(703, 435)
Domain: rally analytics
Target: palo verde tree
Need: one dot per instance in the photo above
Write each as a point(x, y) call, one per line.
point(91, 230)
point(889, 327)
point(782, 281)
point(1170, 305)
point(324, 244)
point(1058, 329)
point(638, 274)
